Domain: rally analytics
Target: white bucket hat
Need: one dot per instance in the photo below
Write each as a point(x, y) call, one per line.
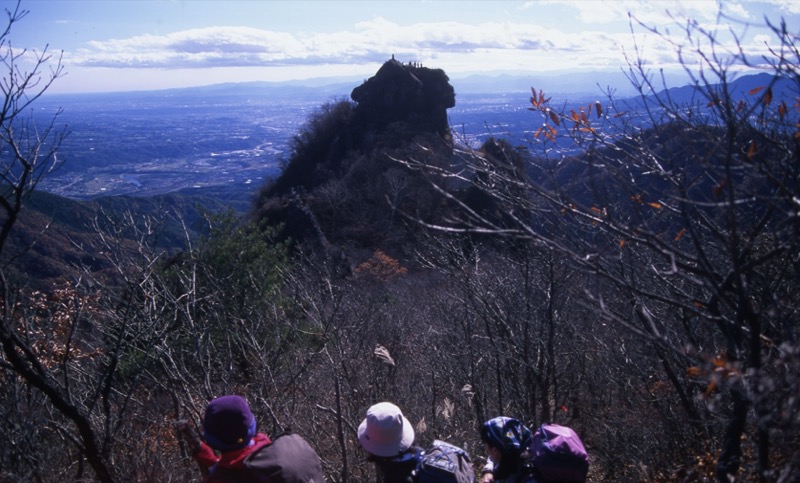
point(385, 431)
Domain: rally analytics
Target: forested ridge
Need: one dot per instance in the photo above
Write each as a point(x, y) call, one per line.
point(629, 270)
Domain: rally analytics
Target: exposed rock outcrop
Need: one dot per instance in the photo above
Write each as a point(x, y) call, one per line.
point(342, 175)
point(407, 93)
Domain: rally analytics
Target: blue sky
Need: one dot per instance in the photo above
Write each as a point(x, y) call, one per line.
point(122, 45)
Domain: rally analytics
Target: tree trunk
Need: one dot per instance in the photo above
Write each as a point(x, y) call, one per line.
point(731, 455)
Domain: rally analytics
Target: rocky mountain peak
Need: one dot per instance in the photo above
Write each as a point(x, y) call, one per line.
point(406, 92)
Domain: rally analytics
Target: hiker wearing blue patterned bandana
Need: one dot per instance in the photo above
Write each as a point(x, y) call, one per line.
point(507, 442)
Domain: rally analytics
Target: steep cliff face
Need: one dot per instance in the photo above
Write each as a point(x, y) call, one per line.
point(406, 93)
point(341, 175)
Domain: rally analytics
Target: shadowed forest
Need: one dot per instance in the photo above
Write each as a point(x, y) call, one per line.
point(630, 270)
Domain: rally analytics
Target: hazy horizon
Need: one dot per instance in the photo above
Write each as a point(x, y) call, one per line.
point(567, 82)
point(125, 45)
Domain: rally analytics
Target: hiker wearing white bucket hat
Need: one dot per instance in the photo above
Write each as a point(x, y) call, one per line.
point(388, 437)
point(385, 431)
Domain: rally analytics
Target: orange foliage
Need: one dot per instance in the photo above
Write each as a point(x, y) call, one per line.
point(539, 100)
point(768, 97)
point(720, 187)
point(554, 117)
point(716, 371)
point(381, 266)
point(783, 109)
point(751, 151)
point(48, 322)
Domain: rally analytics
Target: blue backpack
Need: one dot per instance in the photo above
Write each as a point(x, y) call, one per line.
point(444, 463)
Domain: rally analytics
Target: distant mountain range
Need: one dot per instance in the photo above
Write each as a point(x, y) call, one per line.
point(560, 84)
point(556, 83)
point(743, 87)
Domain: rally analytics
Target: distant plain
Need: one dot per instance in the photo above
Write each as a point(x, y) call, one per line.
point(225, 137)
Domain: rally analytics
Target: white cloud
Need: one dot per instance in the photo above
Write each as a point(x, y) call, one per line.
point(649, 12)
point(369, 41)
point(523, 44)
point(235, 46)
point(791, 7)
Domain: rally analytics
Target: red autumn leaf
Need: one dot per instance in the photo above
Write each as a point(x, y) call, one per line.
point(538, 99)
point(680, 234)
point(554, 117)
point(655, 204)
point(720, 186)
point(768, 96)
point(783, 109)
point(563, 408)
point(598, 108)
point(551, 134)
point(534, 102)
point(755, 90)
point(620, 114)
point(751, 151)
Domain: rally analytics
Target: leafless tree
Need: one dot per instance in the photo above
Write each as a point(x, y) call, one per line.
point(683, 210)
point(27, 153)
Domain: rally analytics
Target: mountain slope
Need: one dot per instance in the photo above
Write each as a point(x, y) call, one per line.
point(57, 239)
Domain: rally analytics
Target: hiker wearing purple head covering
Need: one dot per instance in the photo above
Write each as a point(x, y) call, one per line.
point(506, 441)
point(388, 437)
point(230, 428)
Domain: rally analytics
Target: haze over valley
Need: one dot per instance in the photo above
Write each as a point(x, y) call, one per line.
point(232, 137)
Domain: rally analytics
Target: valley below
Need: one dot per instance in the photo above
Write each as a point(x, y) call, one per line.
point(230, 138)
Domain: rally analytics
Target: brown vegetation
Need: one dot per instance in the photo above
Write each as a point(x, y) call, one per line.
point(641, 292)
